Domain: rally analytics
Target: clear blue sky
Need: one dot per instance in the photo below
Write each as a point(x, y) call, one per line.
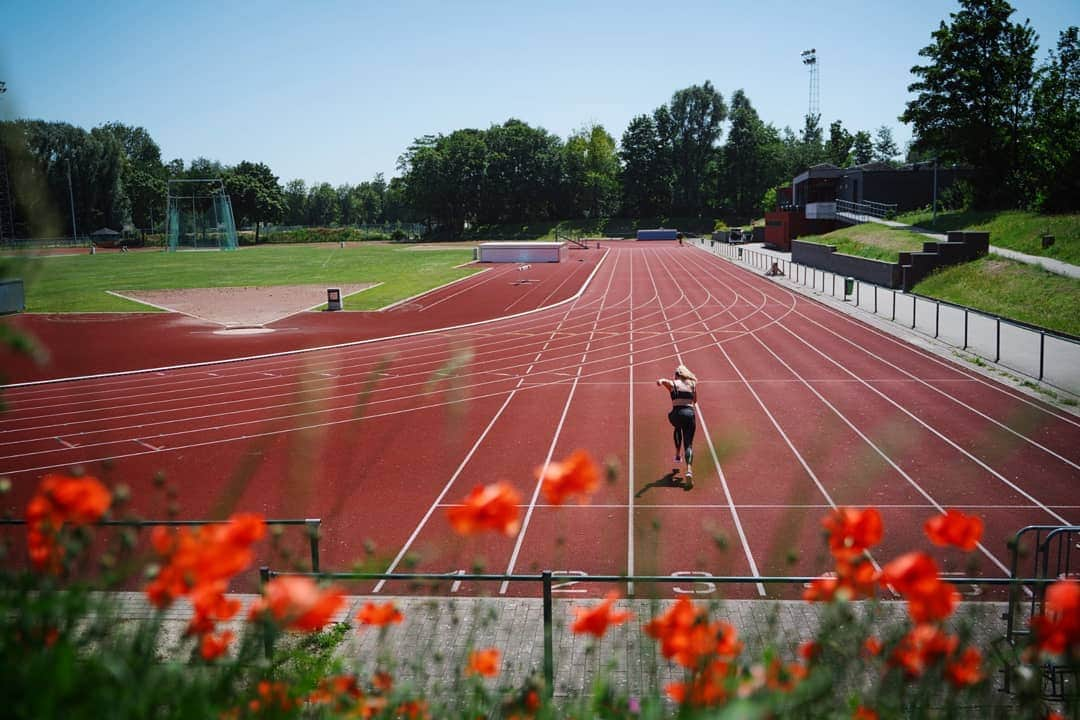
point(336, 90)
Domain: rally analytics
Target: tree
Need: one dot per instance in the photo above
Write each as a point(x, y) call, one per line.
point(885, 148)
point(751, 157)
point(322, 206)
point(1056, 107)
point(142, 175)
point(591, 173)
point(296, 197)
point(647, 174)
point(691, 128)
point(973, 96)
point(862, 148)
point(838, 148)
point(255, 193)
point(522, 178)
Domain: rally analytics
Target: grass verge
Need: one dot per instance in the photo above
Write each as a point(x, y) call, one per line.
point(78, 283)
point(1014, 229)
point(871, 240)
point(1010, 289)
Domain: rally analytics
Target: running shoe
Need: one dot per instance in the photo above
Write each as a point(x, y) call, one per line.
point(678, 459)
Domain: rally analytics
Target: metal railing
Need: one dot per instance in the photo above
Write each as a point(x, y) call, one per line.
point(313, 526)
point(1044, 355)
point(548, 580)
point(862, 210)
point(1053, 552)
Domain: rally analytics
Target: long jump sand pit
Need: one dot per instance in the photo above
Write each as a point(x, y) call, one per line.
point(241, 307)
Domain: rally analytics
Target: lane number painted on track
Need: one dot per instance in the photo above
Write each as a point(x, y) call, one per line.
point(700, 587)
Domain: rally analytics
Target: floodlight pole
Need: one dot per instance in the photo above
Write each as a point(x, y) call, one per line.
point(71, 200)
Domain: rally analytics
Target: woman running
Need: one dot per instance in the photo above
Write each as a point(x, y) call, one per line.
point(683, 390)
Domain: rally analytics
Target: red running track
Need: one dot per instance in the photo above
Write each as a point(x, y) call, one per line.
point(801, 409)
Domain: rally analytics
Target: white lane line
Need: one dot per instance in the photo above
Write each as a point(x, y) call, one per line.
point(924, 424)
point(716, 459)
point(630, 452)
point(938, 390)
point(453, 478)
point(355, 343)
point(65, 443)
point(520, 540)
point(934, 431)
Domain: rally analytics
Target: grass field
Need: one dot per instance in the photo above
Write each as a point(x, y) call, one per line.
point(1010, 289)
point(78, 283)
point(871, 240)
point(1013, 229)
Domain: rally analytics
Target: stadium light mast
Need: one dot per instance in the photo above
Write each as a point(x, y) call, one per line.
point(809, 58)
point(7, 215)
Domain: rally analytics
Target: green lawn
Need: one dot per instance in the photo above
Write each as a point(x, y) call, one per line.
point(871, 240)
point(1010, 289)
point(1014, 229)
point(78, 283)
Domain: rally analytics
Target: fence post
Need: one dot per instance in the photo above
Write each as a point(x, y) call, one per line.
point(965, 328)
point(914, 308)
point(937, 318)
point(312, 525)
point(1042, 352)
point(997, 341)
point(549, 659)
point(268, 641)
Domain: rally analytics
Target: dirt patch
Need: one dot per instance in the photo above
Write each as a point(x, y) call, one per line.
point(236, 306)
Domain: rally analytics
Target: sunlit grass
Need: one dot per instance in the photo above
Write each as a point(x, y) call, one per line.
point(79, 283)
point(1014, 229)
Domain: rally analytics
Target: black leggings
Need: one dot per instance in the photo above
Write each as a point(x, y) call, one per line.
point(682, 419)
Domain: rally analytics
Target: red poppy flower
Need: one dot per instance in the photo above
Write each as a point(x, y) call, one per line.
point(577, 475)
point(921, 647)
point(378, 615)
point(852, 531)
point(872, 646)
point(864, 713)
point(932, 600)
point(297, 603)
point(488, 507)
point(687, 637)
point(966, 670)
point(61, 500)
point(1058, 629)
point(907, 571)
point(854, 579)
point(484, 662)
point(955, 528)
point(595, 620)
point(706, 688)
point(213, 646)
point(809, 650)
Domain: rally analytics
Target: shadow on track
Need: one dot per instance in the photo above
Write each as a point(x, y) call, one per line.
point(667, 481)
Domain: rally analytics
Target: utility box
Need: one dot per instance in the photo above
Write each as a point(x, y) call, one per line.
point(12, 296)
point(333, 298)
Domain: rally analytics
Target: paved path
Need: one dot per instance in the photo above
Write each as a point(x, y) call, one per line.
point(431, 645)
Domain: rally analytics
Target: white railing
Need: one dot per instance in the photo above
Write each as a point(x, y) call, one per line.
point(1041, 354)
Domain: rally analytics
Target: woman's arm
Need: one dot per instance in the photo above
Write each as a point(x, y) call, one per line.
point(664, 382)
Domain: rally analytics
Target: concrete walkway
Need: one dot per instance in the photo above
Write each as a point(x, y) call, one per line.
point(431, 645)
point(1055, 266)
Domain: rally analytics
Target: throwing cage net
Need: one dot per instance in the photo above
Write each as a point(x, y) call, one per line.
point(199, 216)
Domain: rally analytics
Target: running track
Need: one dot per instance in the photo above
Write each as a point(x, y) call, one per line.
point(801, 409)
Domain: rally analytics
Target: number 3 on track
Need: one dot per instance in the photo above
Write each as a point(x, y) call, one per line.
point(702, 588)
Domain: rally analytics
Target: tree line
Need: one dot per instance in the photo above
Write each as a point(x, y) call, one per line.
point(979, 100)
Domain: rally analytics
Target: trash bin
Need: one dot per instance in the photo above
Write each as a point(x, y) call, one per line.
point(849, 286)
point(333, 298)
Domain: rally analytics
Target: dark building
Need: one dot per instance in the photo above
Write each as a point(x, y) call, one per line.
point(810, 207)
point(909, 187)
